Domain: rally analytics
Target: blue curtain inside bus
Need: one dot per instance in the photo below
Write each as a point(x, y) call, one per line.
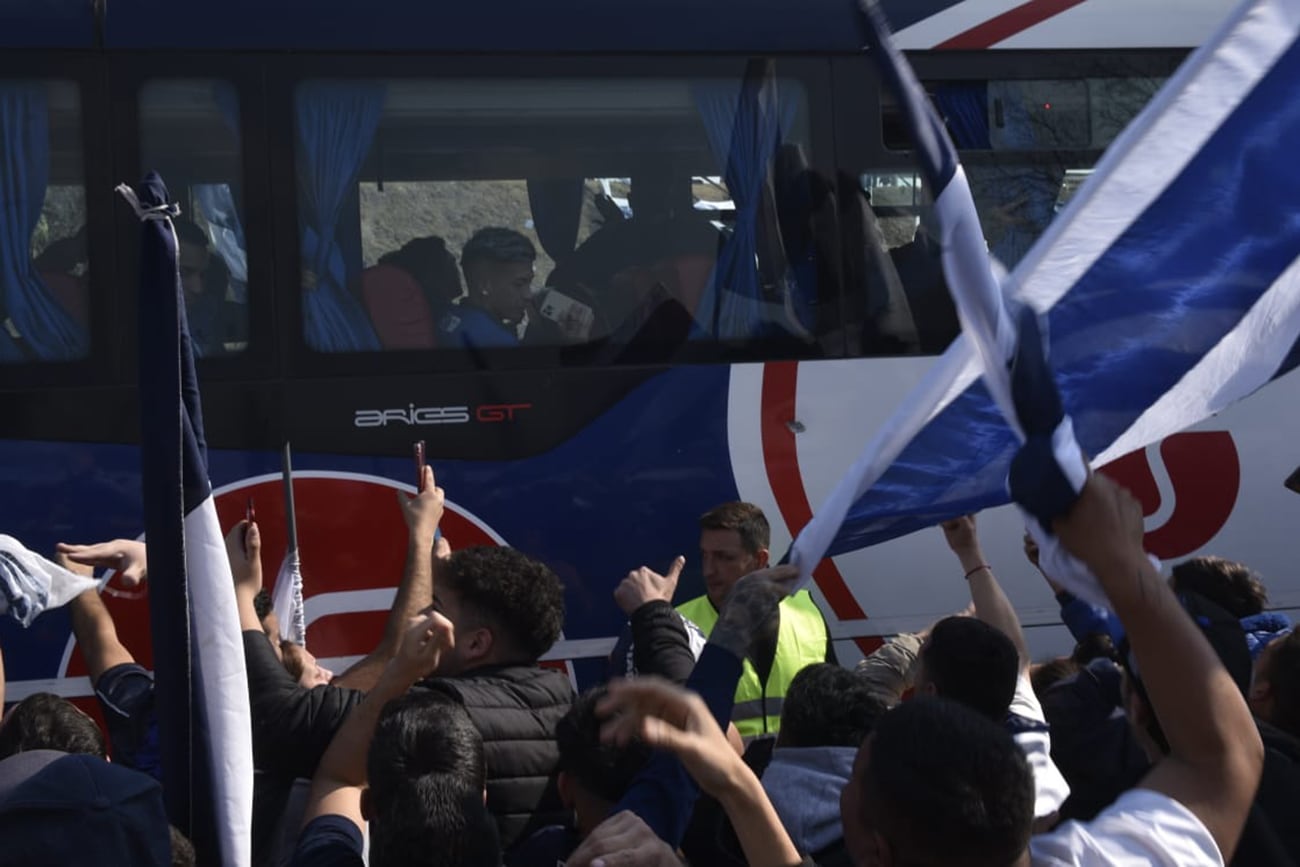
point(218, 204)
point(744, 129)
point(47, 330)
point(336, 126)
point(556, 205)
point(964, 106)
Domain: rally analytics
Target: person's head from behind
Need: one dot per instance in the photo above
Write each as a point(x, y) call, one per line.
point(426, 775)
point(1045, 675)
point(60, 808)
point(1222, 630)
point(938, 785)
point(303, 666)
point(43, 721)
point(1275, 689)
point(970, 662)
point(432, 265)
point(828, 706)
point(193, 256)
point(1228, 584)
point(507, 607)
point(594, 775)
point(498, 268)
point(734, 540)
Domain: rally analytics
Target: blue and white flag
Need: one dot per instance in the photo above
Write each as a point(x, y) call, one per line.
point(1169, 288)
point(201, 686)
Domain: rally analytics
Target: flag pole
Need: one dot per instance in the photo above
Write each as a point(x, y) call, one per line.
point(290, 513)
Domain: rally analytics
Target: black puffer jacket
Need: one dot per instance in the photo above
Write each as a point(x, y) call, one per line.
point(515, 708)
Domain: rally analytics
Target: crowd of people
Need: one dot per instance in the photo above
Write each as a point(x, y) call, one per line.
point(727, 733)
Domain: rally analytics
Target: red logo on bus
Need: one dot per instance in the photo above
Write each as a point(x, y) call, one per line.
point(1201, 478)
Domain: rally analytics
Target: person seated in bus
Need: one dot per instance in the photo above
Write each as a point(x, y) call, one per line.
point(62, 267)
point(217, 325)
point(409, 290)
point(498, 268)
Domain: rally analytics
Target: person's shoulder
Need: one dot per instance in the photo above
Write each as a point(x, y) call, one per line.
point(329, 841)
point(1141, 827)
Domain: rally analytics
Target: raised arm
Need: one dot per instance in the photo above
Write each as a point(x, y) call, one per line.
point(991, 604)
point(660, 644)
point(1215, 754)
point(422, 514)
point(668, 717)
point(337, 783)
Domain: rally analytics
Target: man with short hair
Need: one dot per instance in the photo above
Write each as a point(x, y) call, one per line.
point(938, 784)
point(1275, 688)
point(983, 662)
point(734, 540)
point(828, 712)
point(508, 610)
point(498, 268)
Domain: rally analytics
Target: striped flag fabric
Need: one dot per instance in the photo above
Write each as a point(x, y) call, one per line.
point(201, 686)
point(1168, 288)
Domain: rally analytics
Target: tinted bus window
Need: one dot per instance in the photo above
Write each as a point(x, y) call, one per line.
point(43, 258)
point(189, 132)
point(1026, 145)
point(487, 215)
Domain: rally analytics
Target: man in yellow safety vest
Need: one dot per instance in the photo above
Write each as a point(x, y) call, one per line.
point(734, 539)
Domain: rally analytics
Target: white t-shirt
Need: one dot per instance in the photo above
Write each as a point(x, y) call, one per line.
point(1050, 787)
point(1141, 828)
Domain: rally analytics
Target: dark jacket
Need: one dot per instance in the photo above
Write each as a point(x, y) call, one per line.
point(514, 707)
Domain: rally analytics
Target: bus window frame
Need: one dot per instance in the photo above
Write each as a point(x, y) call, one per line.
point(100, 364)
point(284, 74)
point(860, 141)
point(258, 361)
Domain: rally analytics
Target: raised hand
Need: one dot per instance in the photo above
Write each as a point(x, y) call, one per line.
point(126, 556)
point(422, 646)
point(423, 511)
point(645, 585)
point(752, 605)
point(244, 548)
point(623, 840)
point(669, 717)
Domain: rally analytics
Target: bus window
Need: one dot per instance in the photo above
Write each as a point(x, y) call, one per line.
point(43, 258)
point(1026, 144)
point(189, 133)
point(582, 214)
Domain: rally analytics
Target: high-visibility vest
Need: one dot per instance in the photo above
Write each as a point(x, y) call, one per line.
point(800, 642)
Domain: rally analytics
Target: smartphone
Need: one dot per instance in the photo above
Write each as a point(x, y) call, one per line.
point(419, 466)
point(1293, 481)
point(250, 513)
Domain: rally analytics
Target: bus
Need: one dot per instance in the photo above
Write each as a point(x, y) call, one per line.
point(734, 163)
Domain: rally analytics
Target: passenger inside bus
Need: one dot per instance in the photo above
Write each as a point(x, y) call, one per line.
point(218, 326)
point(409, 290)
point(498, 268)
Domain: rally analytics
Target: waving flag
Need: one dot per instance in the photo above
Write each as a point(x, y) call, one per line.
point(201, 688)
point(1170, 287)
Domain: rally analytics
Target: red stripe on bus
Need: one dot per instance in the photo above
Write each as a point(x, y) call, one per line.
point(781, 458)
point(1008, 24)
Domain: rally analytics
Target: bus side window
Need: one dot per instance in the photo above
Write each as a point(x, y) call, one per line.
point(44, 305)
point(607, 220)
point(190, 135)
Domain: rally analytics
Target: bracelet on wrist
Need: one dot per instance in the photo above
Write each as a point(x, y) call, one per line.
point(977, 568)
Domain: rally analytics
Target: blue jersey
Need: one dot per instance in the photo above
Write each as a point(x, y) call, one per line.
point(473, 328)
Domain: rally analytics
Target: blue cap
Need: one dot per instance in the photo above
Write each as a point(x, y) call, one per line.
point(59, 808)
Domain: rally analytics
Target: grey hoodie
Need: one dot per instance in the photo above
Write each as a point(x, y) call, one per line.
point(804, 785)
